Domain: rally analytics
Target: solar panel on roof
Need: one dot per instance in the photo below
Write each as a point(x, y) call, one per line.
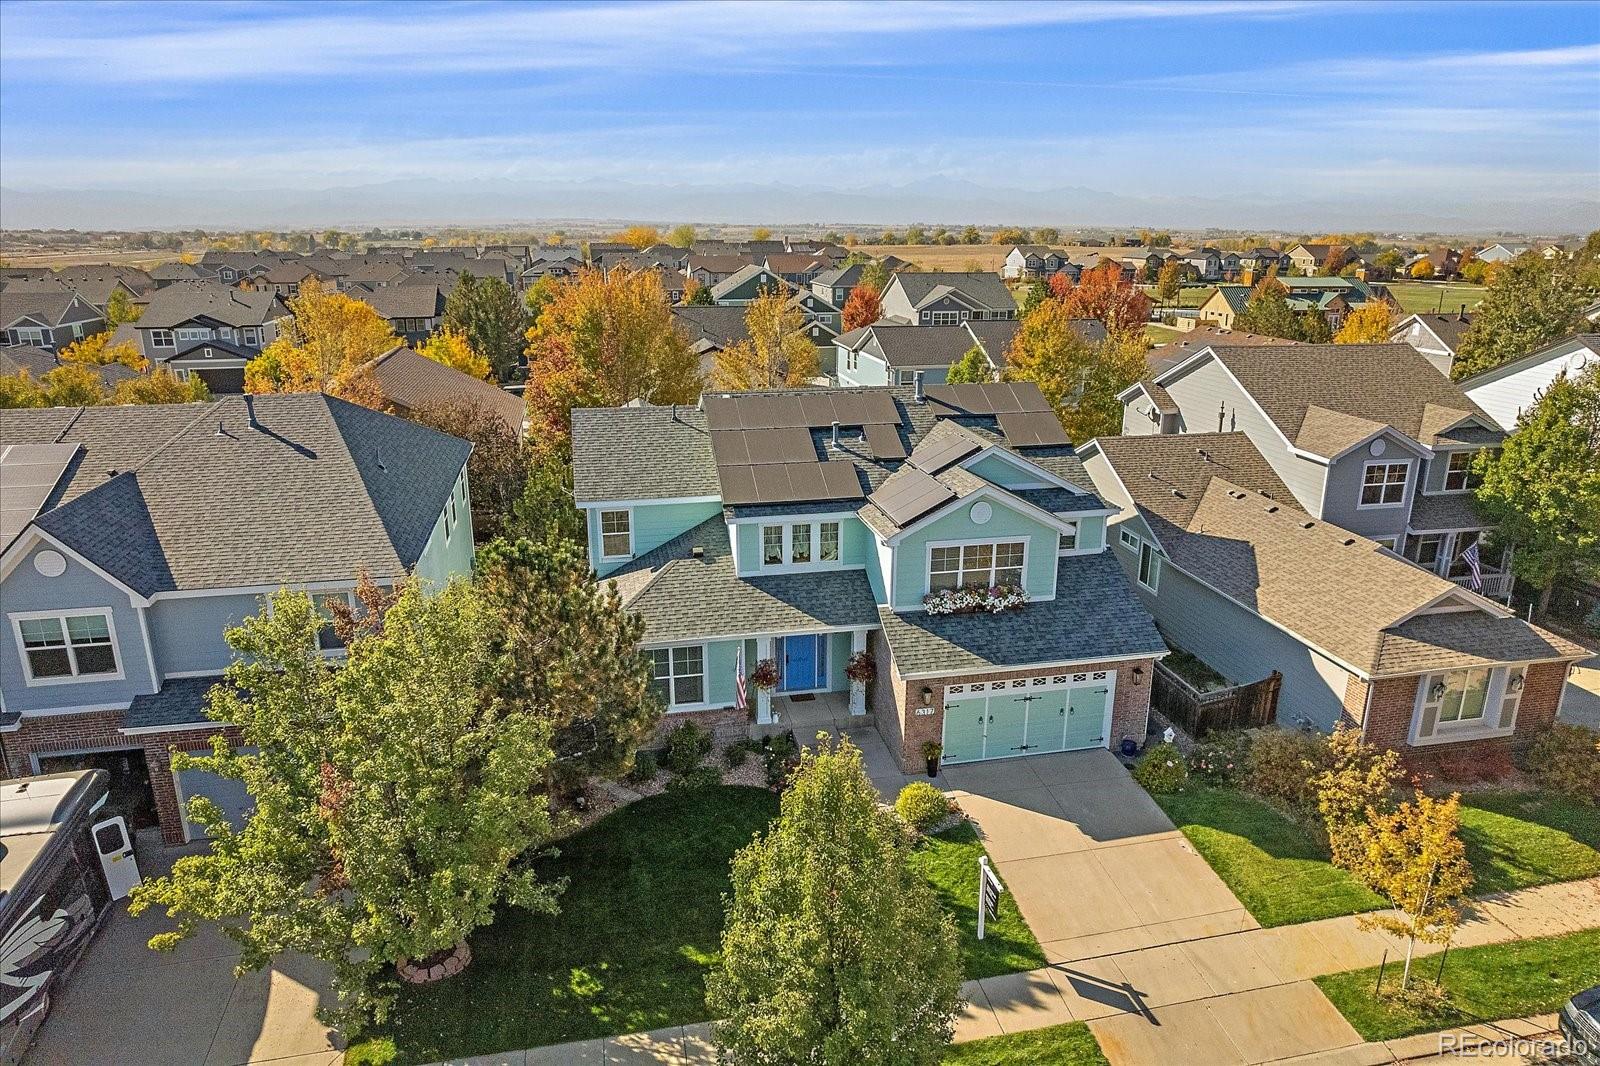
point(789, 482)
point(738, 484)
point(840, 482)
point(29, 473)
point(818, 410)
point(779, 446)
point(934, 455)
point(884, 441)
point(728, 447)
point(1033, 428)
point(909, 495)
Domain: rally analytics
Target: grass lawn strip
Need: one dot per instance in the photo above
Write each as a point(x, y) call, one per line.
point(949, 861)
point(1059, 1045)
point(1487, 983)
point(1281, 873)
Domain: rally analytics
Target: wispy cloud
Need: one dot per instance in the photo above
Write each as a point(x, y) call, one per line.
point(476, 37)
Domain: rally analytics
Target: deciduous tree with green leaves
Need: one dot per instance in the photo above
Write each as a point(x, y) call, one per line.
point(681, 236)
point(1081, 380)
point(1531, 302)
point(835, 951)
point(545, 510)
point(390, 796)
point(1267, 312)
point(490, 316)
point(120, 308)
point(1541, 489)
point(568, 654)
point(971, 368)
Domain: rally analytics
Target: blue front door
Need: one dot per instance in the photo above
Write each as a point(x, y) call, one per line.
point(804, 663)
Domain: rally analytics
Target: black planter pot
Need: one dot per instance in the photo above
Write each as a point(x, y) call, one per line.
point(933, 767)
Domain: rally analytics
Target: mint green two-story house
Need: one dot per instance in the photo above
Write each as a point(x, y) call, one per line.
point(947, 533)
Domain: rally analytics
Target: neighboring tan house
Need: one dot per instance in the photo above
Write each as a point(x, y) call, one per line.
point(1370, 437)
point(1237, 575)
point(1311, 259)
point(1513, 387)
point(151, 529)
point(410, 382)
point(51, 318)
point(804, 527)
point(1332, 297)
point(412, 309)
point(1436, 336)
point(947, 298)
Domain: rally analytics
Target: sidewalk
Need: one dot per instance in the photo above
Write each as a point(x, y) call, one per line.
point(1474, 1042)
point(1228, 999)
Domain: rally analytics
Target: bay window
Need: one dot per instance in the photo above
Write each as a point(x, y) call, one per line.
point(678, 675)
point(985, 565)
point(1469, 701)
point(68, 647)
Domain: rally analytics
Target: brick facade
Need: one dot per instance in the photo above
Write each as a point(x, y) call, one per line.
point(64, 734)
point(1387, 714)
point(895, 702)
point(725, 724)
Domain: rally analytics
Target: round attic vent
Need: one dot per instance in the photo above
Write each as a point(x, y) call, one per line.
point(981, 513)
point(50, 563)
point(1377, 447)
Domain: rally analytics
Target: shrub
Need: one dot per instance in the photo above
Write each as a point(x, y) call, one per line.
point(1566, 759)
point(781, 754)
point(698, 778)
point(922, 806)
point(687, 746)
point(1360, 779)
point(735, 754)
point(1593, 620)
point(1283, 765)
point(1222, 760)
point(643, 769)
point(1161, 769)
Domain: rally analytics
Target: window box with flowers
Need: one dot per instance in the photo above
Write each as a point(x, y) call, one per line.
point(972, 599)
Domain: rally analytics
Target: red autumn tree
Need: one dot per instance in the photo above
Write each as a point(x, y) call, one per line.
point(1103, 294)
point(863, 308)
point(1061, 284)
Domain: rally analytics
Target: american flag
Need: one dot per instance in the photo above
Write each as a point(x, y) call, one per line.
point(1474, 564)
point(740, 700)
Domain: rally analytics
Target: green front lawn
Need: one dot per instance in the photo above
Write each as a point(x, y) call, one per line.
point(1491, 983)
point(640, 924)
point(1280, 872)
point(950, 863)
point(1059, 1045)
point(1282, 875)
point(1418, 297)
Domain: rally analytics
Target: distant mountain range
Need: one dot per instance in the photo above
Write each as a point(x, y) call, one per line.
point(946, 201)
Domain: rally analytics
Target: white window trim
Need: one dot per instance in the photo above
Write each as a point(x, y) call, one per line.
point(1473, 728)
point(157, 341)
point(788, 566)
point(1386, 542)
point(1155, 567)
point(1077, 534)
point(927, 558)
point(1444, 482)
point(62, 615)
point(1127, 538)
point(600, 526)
point(705, 676)
point(1361, 489)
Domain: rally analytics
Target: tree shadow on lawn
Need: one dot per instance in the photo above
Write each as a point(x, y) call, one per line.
point(640, 925)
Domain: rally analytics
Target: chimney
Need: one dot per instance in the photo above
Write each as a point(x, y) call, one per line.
point(916, 383)
point(835, 432)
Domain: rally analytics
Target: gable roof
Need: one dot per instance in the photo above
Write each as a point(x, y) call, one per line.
point(746, 274)
point(246, 491)
point(49, 303)
point(1221, 515)
point(185, 300)
point(986, 288)
point(1565, 346)
point(709, 326)
point(1325, 398)
point(411, 299)
point(414, 381)
point(1449, 328)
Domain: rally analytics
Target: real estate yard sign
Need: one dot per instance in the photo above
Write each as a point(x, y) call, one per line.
point(989, 889)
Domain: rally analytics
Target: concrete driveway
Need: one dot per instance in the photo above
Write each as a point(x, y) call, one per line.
point(126, 1003)
point(1581, 701)
point(1094, 864)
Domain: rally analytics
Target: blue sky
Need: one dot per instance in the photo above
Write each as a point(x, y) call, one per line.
point(1487, 112)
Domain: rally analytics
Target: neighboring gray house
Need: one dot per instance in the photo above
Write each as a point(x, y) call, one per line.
point(710, 329)
point(747, 283)
point(1239, 576)
point(1033, 261)
point(1436, 336)
point(37, 362)
point(184, 314)
point(834, 285)
point(51, 318)
point(412, 309)
point(947, 299)
point(1370, 437)
point(140, 533)
point(411, 382)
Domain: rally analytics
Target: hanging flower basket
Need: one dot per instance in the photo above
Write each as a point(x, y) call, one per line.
point(862, 668)
point(764, 675)
point(972, 599)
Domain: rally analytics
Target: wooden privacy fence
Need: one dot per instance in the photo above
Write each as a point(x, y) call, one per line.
point(1241, 707)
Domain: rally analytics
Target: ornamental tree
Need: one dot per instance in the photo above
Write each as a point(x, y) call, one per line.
point(497, 469)
point(97, 350)
point(835, 951)
point(778, 354)
point(325, 347)
point(1080, 380)
point(391, 797)
point(971, 368)
point(1168, 282)
point(1101, 293)
point(568, 654)
point(1541, 489)
point(451, 348)
point(160, 386)
point(1368, 324)
point(863, 307)
point(1531, 302)
point(120, 308)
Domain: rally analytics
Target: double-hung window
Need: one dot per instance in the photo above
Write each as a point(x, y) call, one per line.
point(678, 675)
point(984, 565)
point(1069, 538)
point(1384, 484)
point(828, 542)
point(771, 545)
point(616, 534)
point(799, 544)
point(69, 646)
point(1458, 476)
point(161, 338)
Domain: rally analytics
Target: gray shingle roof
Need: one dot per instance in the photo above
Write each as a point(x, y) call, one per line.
point(641, 453)
point(182, 700)
point(184, 300)
point(718, 327)
point(1095, 616)
point(418, 299)
point(985, 287)
point(683, 598)
point(48, 302)
point(1450, 641)
point(307, 488)
point(1452, 511)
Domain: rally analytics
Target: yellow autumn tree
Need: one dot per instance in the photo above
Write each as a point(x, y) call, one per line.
point(1368, 324)
point(1081, 380)
point(160, 386)
point(778, 354)
point(450, 347)
point(638, 236)
point(325, 347)
point(97, 350)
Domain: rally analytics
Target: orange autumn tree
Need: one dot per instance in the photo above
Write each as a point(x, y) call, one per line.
point(1103, 294)
point(1061, 285)
point(863, 307)
point(325, 347)
point(604, 341)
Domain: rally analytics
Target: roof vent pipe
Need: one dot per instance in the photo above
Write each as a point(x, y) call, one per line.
point(835, 432)
point(916, 383)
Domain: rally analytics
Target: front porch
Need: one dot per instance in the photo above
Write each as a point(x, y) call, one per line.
point(1441, 553)
point(829, 712)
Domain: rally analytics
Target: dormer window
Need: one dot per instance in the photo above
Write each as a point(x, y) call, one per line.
point(1458, 475)
point(1384, 484)
point(616, 534)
